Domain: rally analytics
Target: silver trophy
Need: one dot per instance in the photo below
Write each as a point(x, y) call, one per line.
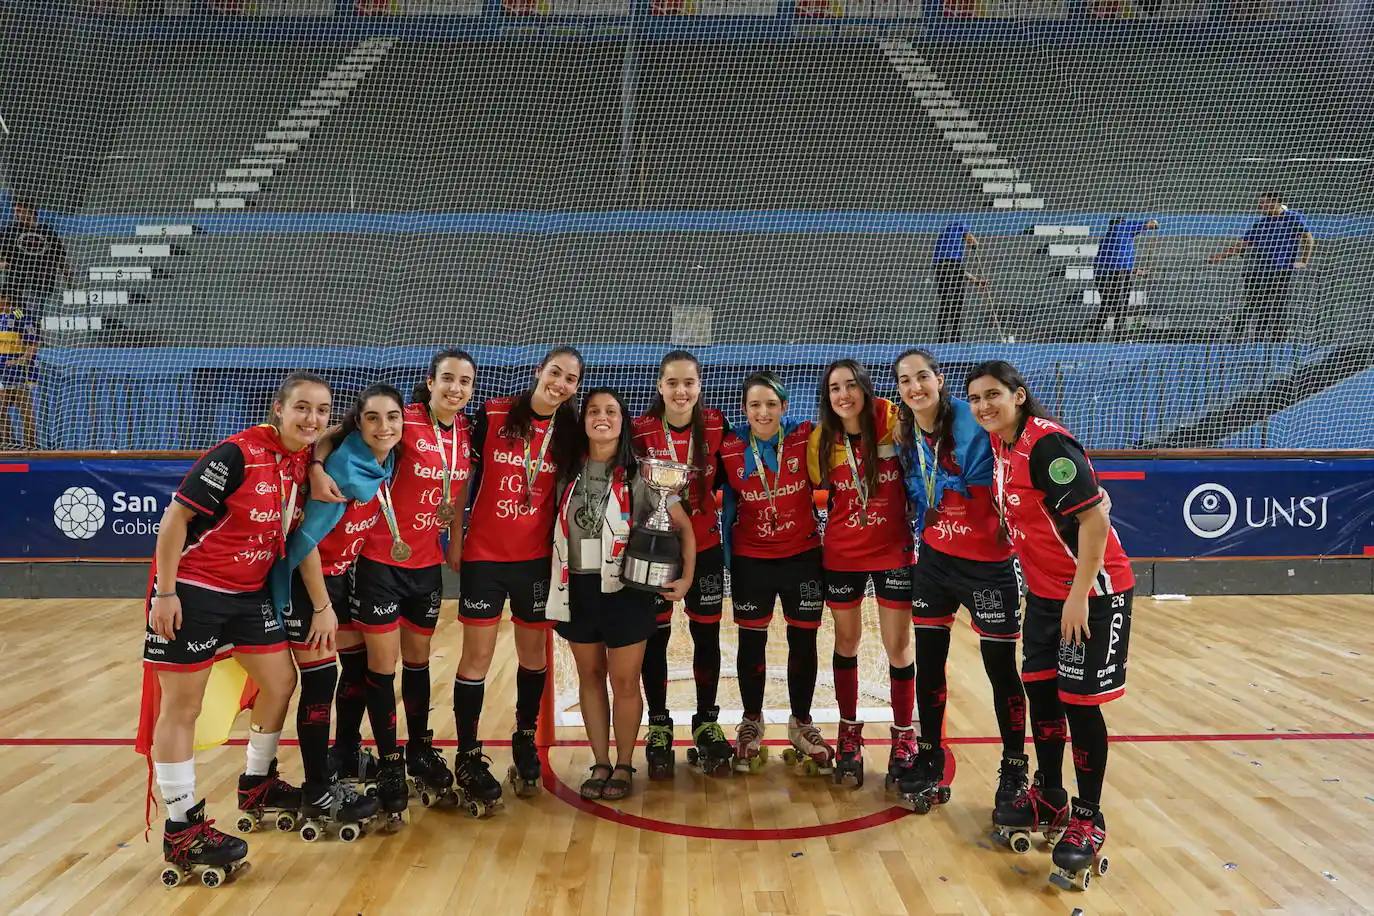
point(653, 557)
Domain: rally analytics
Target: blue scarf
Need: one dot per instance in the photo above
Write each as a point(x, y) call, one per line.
point(768, 451)
point(972, 453)
point(358, 476)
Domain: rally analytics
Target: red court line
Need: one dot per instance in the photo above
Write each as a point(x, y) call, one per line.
point(782, 742)
point(1120, 475)
point(14, 468)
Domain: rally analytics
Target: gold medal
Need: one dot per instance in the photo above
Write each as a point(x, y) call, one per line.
point(400, 551)
point(446, 513)
point(770, 515)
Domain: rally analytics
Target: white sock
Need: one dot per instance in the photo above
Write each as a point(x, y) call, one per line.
point(262, 750)
point(177, 782)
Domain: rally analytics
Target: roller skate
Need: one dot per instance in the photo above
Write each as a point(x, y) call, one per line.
point(525, 773)
point(393, 795)
point(849, 763)
point(334, 804)
point(713, 754)
point(922, 789)
point(809, 748)
point(267, 795)
point(901, 756)
point(478, 790)
point(750, 752)
point(355, 765)
point(430, 776)
point(194, 845)
point(1078, 854)
point(1011, 780)
point(658, 748)
point(1036, 810)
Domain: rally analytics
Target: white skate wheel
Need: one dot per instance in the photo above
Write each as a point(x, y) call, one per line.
point(1020, 843)
point(245, 823)
point(349, 832)
point(212, 877)
point(286, 822)
point(426, 800)
point(476, 809)
point(1085, 880)
point(1102, 866)
point(172, 876)
point(310, 832)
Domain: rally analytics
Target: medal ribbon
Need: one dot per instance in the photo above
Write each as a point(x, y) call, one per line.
point(859, 486)
point(927, 478)
point(532, 468)
point(389, 511)
point(770, 492)
point(449, 463)
point(288, 509)
point(672, 446)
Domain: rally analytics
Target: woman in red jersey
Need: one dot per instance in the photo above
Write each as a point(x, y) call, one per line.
point(963, 559)
point(226, 526)
point(852, 454)
point(678, 427)
point(775, 553)
point(520, 445)
point(396, 594)
point(605, 623)
point(1078, 610)
point(323, 550)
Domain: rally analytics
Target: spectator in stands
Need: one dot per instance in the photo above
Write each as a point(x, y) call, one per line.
point(18, 348)
point(34, 259)
point(1277, 244)
point(1112, 272)
point(948, 264)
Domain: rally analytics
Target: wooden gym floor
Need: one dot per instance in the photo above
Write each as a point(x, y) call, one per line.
point(1241, 781)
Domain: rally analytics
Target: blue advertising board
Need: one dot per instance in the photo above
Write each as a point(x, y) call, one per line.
point(63, 508)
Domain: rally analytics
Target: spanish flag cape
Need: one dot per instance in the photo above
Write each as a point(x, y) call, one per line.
point(885, 426)
point(230, 690)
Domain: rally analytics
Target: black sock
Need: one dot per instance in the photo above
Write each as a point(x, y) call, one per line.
point(802, 665)
point(655, 671)
point(350, 700)
point(381, 710)
point(752, 669)
point(467, 710)
point(1048, 730)
point(312, 717)
point(1089, 731)
point(415, 696)
point(932, 651)
point(705, 661)
point(529, 690)
point(1008, 696)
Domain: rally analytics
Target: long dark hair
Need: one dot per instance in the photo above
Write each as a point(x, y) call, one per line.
point(832, 427)
point(624, 451)
point(288, 385)
point(354, 417)
point(421, 393)
point(567, 436)
point(657, 408)
point(1010, 378)
point(944, 411)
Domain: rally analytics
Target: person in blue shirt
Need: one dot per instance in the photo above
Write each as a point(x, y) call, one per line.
point(948, 264)
point(1277, 244)
point(1113, 269)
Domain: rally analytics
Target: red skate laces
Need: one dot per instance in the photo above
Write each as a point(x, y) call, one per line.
point(850, 741)
point(256, 796)
point(1080, 832)
point(185, 841)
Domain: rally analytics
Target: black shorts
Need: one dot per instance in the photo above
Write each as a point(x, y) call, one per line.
point(617, 619)
point(844, 591)
point(756, 584)
point(487, 584)
point(990, 591)
point(297, 615)
point(385, 597)
point(213, 624)
point(1087, 674)
point(707, 594)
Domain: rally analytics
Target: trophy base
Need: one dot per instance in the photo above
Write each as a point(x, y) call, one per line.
point(652, 560)
point(648, 575)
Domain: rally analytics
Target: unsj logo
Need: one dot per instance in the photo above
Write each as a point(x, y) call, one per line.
point(1210, 510)
point(79, 513)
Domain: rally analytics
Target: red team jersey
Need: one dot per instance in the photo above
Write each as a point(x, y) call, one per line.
point(651, 441)
point(794, 529)
point(418, 487)
point(238, 491)
point(504, 526)
point(1042, 480)
point(966, 526)
point(885, 541)
point(342, 545)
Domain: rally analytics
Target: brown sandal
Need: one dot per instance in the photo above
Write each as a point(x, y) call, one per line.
point(594, 786)
point(616, 788)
